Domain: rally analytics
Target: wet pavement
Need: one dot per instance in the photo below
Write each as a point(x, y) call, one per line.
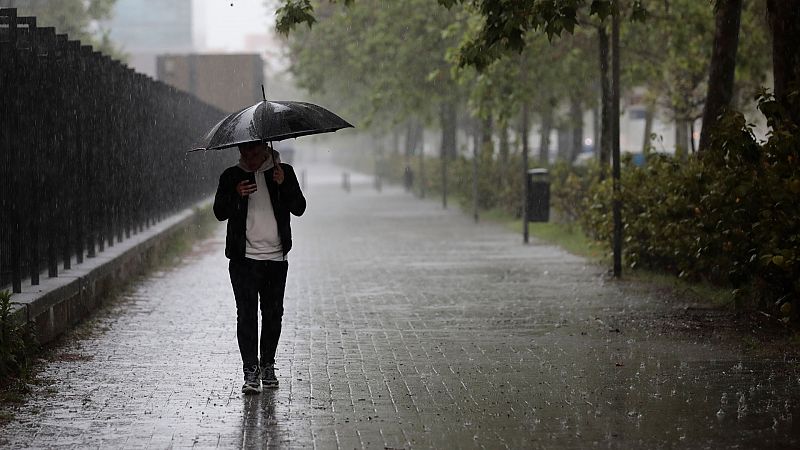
point(407, 326)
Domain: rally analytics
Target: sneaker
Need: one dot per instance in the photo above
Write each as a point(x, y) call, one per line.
point(268, 378)
point(252, 383)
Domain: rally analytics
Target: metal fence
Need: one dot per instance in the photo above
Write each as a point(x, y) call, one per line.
point(90, 151)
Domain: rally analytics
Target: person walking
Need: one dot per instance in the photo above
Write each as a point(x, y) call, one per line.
point(256, 197)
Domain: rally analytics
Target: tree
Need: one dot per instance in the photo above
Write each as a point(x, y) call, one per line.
point(504, 26)
point(670, 55)
point(603, 53)
point(723, 66)
point(388, 62)
point(784, 22)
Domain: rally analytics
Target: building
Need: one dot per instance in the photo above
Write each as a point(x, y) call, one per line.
point(227, 81)
point(147, 28)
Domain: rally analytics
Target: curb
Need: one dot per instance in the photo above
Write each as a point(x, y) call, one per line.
point(57, 304)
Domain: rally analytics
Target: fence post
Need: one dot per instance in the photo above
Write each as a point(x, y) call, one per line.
point(32, 213)
point(10, 246)
point(89, 150)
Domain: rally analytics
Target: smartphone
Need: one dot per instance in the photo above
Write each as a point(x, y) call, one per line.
point(250, 178)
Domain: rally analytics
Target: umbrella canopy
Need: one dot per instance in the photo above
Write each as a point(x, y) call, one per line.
point(271, 121)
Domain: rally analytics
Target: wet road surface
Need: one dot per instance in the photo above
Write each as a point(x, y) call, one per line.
point(407, 326)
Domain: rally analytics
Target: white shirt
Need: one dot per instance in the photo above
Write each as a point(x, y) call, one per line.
point(263, 242)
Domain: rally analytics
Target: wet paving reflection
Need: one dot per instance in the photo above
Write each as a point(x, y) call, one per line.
point(410, 327)
point(260, 426)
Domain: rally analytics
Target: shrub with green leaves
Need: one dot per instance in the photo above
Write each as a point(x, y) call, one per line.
point(17, 341)
point(752, 204)
point(731, 217)
point(569, 190)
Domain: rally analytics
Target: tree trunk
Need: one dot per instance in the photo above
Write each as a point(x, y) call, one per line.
point(576, 127)
point(544, 146)
point(410, 145)
point(605, 101)
point(723, 66)
point(421, 162)
point(564, 137)
point(448, 147)
point(504, 145)
point(596, 130)
point(681, 138)
point(412, 137)
point(524, 138)
point(448, 116)
point(615, 95)
point(784, 21)
point(487, 131)
point(649, 115)
point(476, 145)
point(396, 142)
point(413, 143)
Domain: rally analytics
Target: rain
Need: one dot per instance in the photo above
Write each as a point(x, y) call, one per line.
point(399, 225)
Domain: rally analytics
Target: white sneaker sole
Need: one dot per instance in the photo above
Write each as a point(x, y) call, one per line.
point(247, 389)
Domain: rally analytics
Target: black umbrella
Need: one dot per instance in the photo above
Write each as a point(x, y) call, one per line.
point(271, 121)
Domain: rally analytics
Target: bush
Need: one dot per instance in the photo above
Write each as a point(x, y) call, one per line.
point(17, 341)
point(751, 205)
point(570, 189)
point(729, 217)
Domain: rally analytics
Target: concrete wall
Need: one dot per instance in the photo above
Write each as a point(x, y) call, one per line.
point(57, 304)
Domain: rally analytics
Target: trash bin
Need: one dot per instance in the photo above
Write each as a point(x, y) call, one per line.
point(538, 195)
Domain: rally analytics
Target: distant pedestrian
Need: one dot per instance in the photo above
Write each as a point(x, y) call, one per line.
point(256, 197)
point(408, 178)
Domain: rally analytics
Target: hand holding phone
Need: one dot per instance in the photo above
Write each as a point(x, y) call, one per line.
point(246, 187)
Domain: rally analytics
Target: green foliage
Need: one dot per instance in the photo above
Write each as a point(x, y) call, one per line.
point(17, 340)
point(499, 184)
point(570, 189)
point(754, 205)
point(504, 23)
point(729, 218)
point(507, 22)
point(378, 62)
point(670, 53)
point(293, 13)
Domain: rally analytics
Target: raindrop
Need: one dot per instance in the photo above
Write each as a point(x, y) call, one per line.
point(742, 408)
point(723, 402)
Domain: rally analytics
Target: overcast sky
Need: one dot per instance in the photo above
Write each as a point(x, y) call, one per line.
point(222, 24)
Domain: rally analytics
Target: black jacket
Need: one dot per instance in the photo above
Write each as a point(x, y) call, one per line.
point(228, 205)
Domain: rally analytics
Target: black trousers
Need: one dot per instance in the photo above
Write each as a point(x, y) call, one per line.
point(253, 280)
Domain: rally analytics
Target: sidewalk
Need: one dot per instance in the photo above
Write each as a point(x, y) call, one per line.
point(406, 326)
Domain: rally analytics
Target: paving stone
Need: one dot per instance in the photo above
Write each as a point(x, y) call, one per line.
point(406, 326)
